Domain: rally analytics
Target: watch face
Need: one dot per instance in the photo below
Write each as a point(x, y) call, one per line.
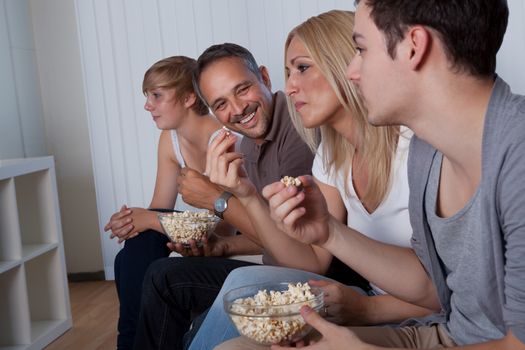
point(220, 205)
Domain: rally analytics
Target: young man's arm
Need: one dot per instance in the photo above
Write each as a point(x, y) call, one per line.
point(337, 337)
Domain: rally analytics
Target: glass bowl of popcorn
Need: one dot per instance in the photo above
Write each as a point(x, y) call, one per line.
point(270, 313)
point(181, 227)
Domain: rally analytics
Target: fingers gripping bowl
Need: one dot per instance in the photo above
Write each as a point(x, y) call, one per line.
point(270, 313)
point(181, 227)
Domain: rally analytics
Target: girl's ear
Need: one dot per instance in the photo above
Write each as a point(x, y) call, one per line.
point(190, 100)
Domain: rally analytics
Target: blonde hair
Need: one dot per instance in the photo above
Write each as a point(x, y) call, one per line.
point(174, 72)
point(328, 39)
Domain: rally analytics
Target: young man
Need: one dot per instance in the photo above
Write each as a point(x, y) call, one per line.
point(430, 65)
point(238, 93)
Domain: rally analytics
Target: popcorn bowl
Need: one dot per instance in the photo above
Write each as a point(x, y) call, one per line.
point(269, 313)
point(181, 227)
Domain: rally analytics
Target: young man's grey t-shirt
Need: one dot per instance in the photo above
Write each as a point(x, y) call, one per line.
point(502, 215)
point(460, 247)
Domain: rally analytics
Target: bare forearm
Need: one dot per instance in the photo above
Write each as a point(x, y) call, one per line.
point(237, 216)
point(285, 250)
point(389, 309)
point(241, 245)
point(396, 270)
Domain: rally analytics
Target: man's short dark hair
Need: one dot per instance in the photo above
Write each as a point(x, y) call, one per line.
point(471, 30)
point(220, 51)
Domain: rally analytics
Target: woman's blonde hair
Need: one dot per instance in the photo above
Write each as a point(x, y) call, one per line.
point(174, 72)
point(328, 39)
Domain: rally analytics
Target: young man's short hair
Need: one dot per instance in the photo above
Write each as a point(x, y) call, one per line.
point(471, 30)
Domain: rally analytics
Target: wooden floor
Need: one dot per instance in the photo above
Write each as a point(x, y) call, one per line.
point(94, 306)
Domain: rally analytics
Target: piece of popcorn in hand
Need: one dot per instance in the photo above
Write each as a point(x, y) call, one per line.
point(291, 181)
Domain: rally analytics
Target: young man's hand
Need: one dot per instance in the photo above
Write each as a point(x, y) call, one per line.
point(334, 337)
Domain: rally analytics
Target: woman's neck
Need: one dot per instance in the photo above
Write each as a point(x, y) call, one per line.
point(345, 126)
point(195, 128)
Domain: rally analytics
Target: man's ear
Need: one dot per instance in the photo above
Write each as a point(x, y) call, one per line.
point(265, 77)
point(190, 100)
point(419, 43)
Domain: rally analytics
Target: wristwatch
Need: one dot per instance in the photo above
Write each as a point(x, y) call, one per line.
point(221, 204)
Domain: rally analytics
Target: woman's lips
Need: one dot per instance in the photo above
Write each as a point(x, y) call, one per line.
point(299, 105)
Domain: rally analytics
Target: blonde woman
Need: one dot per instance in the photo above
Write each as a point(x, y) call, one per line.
point(360, 169)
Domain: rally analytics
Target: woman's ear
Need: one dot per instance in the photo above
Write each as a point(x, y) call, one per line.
point(190, 100)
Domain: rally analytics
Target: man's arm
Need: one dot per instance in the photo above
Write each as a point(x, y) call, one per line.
point(337, 337)
point(225, 168)
point(198, 191)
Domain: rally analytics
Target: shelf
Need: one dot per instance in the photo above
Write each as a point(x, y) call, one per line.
point(20, 166)
point(36, 212)
point(8, 265)
point(34, 297)
point(44, 332)
point(10, 247)
point(45, 289)
point(14, 310)
point(30, 251)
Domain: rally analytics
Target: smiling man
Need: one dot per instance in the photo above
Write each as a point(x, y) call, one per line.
point(238, 92)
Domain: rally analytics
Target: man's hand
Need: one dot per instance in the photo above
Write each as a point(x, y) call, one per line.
point(302, 214)
point(344, 305)
point(334, 337)
point(196, 189)
point(224, 167)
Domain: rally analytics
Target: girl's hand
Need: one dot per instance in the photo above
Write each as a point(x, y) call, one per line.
point(120, 223)
point(344, 305)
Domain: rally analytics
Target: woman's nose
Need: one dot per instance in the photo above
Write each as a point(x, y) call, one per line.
point(290, 86)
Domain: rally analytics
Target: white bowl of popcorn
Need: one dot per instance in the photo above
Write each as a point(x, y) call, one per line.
point(181, 227)
point(270, 313)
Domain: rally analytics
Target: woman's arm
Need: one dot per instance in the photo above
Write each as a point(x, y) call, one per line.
point(168, 169)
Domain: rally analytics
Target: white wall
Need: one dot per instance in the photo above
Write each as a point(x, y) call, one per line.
point(43, 113)
point(120, 40)
point(61, 82)
point(21, 124)
point(512, 53)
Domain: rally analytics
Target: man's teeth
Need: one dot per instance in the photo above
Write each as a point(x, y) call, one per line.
point(248, 118)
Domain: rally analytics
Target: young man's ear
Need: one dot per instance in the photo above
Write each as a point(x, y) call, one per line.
point(419, 43)
point(265, 77)
point(190, 100)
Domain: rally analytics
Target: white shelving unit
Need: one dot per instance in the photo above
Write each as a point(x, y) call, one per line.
point(34, 297)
